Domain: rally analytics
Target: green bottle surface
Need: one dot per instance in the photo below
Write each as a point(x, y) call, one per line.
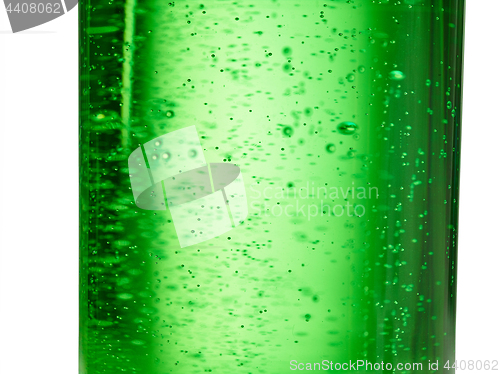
point(343, 121)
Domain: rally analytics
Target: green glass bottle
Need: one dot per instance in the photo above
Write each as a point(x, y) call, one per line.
point(269, 185)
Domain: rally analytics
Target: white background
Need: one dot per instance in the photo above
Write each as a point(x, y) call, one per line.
point(39, 195)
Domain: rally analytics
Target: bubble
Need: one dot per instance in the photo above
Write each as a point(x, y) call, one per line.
point(381, 35)
point(396, 75)
point(125, 296)
point(361, 69)
point(288, 131)
point(157, 143)
point(102, 323)
point(192, 153)
point(347, 128)
point(105, 116)
point(331, 148)
point(350, 78)
point(169, 113)
point(166, 156)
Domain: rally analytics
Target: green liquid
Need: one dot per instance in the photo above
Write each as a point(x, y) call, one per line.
point(344, 118)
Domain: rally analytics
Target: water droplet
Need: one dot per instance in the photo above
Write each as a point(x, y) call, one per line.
point(331, 148)
point(288, 131)
point(166, 156)
point(169, 113)
point(347, 128)
point(154, 157)
point(287, 51)
point(361, 69)
point(192, 153)
point(396, 75)
point(157, 143)
point(350, 78)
